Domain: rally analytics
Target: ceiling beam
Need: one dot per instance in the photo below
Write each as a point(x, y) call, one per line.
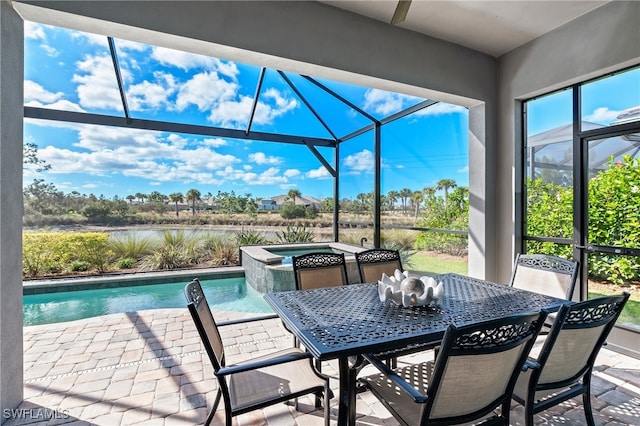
point(163, 126)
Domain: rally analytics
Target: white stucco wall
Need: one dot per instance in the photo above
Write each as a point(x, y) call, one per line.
point(605, 40)
point(11, 109)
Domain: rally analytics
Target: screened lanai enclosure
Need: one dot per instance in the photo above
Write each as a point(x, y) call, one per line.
point(171, 117)
point(581, 182)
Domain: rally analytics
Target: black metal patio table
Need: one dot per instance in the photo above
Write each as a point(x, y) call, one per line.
point(339, 322)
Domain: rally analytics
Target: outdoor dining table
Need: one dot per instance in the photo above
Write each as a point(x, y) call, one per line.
point(345, 321)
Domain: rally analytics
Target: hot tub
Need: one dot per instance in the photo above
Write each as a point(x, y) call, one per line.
point(269, 269)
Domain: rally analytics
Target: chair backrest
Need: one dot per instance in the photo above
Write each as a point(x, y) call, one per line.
point(205, 324)
point(373, 263)
point(477, 366)
point(575, 339)
point(315, 270)
point(550, 275)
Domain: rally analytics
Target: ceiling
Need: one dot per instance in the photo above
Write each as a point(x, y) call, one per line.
point(492, 27)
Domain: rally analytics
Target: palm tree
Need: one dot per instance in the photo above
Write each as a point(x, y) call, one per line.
point(417, 198)
point(130, 198)
point(446, 184)
point(392, 197)
point(156, 197)
point(293, 193)
point(404, 194)
point(193, 195)
point(140, 196)
point(176, 197)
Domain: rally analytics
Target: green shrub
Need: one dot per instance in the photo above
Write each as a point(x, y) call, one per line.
point(55, 252)
point(249, 237)
point(298, 234)
point(614, 218)
point(79, 266)
point(126, 263)
point(224, 253)
point(294, 211)
point(131, 246)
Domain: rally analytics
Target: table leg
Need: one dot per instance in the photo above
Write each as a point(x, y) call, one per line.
point(347, 397)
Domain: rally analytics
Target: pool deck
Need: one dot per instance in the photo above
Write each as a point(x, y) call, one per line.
point(149, 368)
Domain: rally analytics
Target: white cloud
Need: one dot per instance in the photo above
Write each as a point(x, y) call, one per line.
point(603, 115)
point(235, 112)
point(34, 31)
point(97, 86)
point(319, 173)
point(135, 153)
point(214, 143)
point(35, 92)
point(94, 39)
point(441, 108)
point(261, 158)
point(290, 173)
point(147, 95)
point(270, 176)
point(205, 90)
point(385, 103)
point(62, 104)
point(187, 61)
point(362, 161)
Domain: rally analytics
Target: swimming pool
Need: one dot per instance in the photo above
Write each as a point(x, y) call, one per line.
point(230, 294)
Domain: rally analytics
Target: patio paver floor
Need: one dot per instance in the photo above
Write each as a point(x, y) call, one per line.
point(149, 368)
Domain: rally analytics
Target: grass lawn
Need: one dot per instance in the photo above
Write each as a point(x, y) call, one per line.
point(429, 263)
point(631, 312)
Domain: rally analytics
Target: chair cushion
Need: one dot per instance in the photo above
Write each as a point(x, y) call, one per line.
point(329, 276)
point(544, 282)
point(269, 383)
point(372, 272)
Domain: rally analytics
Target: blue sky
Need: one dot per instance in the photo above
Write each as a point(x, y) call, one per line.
point(73, 71)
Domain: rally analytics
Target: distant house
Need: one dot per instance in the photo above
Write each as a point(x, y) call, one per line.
point(276, 203)
point(268, 204)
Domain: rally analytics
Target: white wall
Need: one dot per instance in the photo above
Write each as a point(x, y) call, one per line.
point(602, 41)
point(11, 110)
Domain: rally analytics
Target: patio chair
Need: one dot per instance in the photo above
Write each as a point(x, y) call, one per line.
point(315, 270)
point(550, 275)
point(472, 376)
point(260, 382)
point(374, 262)
point(562, 368)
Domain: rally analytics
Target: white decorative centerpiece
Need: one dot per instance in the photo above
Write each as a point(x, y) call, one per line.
point(407, 290)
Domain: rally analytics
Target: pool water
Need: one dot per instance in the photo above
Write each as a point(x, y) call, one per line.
point(229, 294)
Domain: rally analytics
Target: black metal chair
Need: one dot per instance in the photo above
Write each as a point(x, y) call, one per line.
point(473, 375)
point(260, 382)
point(374, 262)
point(545, 274)
point(562, 369)
point(315, 270)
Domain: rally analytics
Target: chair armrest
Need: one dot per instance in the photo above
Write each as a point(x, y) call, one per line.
point(282, 359)
point(396, 379)
point(246, 320)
